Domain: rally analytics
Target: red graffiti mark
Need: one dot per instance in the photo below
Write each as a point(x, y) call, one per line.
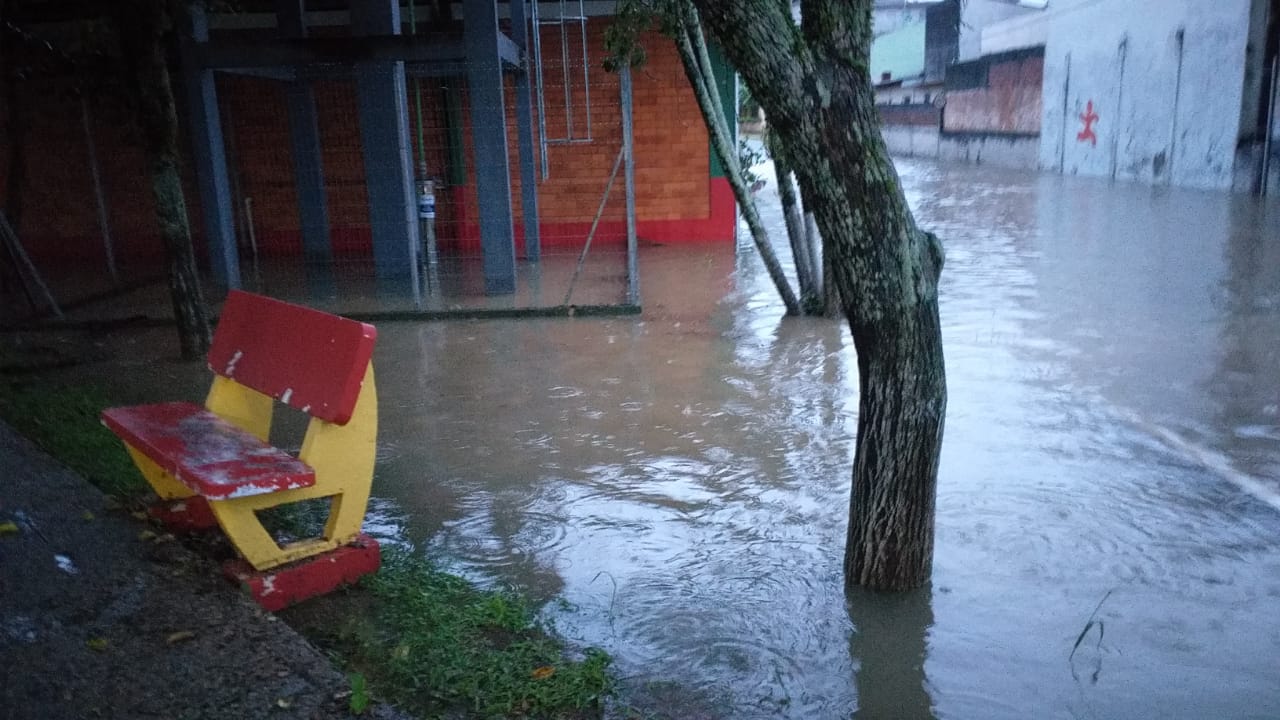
point(1088, 118)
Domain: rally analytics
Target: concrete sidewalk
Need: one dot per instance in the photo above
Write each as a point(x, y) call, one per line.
point(97, 620)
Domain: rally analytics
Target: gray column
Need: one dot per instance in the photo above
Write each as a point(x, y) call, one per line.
point(629, 171)
point(489, 138)
point(211, 163)
point(385, 147)
point(524, 136)
point(304, 139)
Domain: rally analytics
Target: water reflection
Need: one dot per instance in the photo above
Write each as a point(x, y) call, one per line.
point(889, 645)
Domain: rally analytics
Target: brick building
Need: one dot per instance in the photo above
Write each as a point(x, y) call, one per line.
point(680, 191)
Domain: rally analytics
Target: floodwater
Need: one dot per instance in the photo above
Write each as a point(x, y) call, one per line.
point(681, 479)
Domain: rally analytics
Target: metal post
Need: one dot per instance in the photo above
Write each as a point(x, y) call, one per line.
point(564, 67)
point(586, 67)
point(536, 21)
point(385, 149)
point(304, 137)
point(211, 162)
point(628, 148)
point(524, 132)
point(99, 197)
point(489, 135)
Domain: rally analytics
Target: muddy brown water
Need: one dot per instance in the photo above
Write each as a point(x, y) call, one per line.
point(680, 480)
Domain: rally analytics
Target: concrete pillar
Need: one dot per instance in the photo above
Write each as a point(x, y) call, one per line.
point(489, 138)
point(304, 139)
point(211, 163)
point(385, 146)
point(524, 136)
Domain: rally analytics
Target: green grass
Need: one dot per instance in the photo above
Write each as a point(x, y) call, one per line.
point(429, 640)
point(64, 421)
point(437, 645)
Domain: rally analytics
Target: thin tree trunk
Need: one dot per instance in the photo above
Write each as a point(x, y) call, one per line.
point(813, 245)
point(15, 125)
point(813, 83)
point(142, 24)
point(795, 228)
point(693, 55)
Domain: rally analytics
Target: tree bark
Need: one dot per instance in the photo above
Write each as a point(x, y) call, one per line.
point(15, 124)
point(697, 67)
point(813, 82)
point(795, 228)
point(813, 245)
point(142, 25)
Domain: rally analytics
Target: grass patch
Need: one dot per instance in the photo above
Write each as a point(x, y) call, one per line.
point(63, 419)
point(438, 646)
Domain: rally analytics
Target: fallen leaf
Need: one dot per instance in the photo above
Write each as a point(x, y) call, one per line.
point(179, 636)
point(543, 672)
point(97, 644)
point(9, 528)
point(88, 515)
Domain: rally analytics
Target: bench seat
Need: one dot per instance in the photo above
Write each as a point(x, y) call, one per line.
point(214, 458)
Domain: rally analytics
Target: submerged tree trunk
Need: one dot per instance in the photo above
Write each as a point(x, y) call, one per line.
point(697, 67)
point(814, 86)
point(142, 25)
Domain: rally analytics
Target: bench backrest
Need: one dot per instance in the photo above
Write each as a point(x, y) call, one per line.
point(307, 359)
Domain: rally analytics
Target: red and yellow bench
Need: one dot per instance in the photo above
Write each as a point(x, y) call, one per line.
point(214, 462)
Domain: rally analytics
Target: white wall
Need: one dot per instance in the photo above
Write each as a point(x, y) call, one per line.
point(978, 14)
point(1168, 109)
point(911, 140)
point(1015, 33)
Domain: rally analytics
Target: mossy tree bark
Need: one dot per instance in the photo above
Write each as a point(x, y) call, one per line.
point(813, 82)
point(142, 26)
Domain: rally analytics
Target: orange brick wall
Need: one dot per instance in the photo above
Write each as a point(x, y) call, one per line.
point(675, 198)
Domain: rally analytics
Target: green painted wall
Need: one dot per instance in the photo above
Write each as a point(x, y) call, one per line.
point(900, 53)
point(727, 84)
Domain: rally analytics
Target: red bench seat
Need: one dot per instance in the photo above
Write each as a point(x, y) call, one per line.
point(214, 458)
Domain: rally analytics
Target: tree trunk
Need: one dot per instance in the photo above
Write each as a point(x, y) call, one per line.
point(15, 124)
point(697, 67)
point(142, 25)
point(814, 85)
point(813, 245)
point(831, 306)
point(795, 228)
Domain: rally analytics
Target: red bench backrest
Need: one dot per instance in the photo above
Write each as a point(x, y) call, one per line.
point(307, 359)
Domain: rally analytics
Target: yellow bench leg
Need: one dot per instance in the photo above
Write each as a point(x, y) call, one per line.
point(343, 459)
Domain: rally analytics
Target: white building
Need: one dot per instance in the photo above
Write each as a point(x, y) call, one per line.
point(1162, 91)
